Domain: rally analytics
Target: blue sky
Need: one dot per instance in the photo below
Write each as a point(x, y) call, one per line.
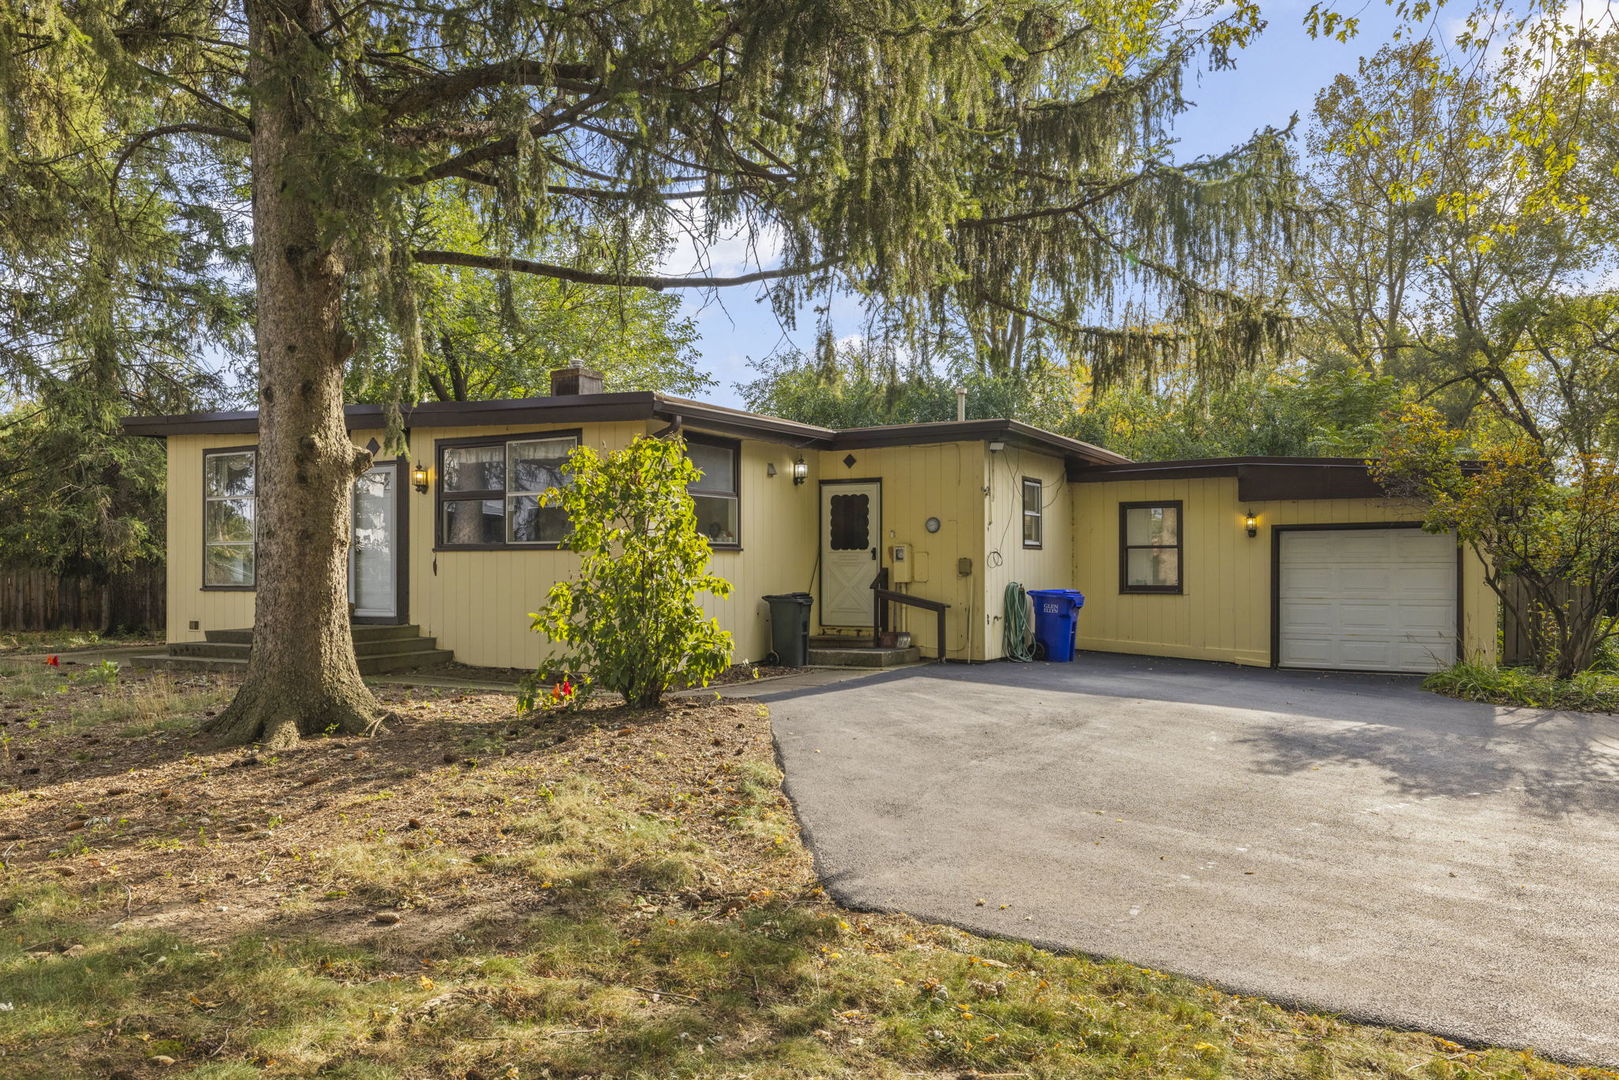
point(1274, 78)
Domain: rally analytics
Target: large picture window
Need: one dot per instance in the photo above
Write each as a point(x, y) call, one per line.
point(489, 490)
point(1150, 547)
point(715, 492)
point(229, 524)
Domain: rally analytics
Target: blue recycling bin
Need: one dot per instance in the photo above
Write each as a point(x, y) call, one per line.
point(1056, 620)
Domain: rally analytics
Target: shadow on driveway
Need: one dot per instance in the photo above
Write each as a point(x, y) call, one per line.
point(1349, 842)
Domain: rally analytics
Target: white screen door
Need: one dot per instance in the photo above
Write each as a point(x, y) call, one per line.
point(372, 577)
point(851, 533)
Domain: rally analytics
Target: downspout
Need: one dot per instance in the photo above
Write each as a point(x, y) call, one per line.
point(673, 428)
point(961, 404)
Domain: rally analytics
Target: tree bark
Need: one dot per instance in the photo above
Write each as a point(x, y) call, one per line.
point(302, 677)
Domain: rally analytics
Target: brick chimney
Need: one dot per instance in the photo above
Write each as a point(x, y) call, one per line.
point(571, 381)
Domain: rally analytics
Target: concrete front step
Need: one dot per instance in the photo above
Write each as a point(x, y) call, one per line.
point(374, 664)
point(866, 656)
point(359, 631)
point(377, 649)
point(362, 648)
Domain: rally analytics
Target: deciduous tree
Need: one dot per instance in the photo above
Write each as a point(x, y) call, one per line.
point(1550, 525)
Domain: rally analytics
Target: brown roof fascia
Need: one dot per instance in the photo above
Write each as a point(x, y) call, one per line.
point(585, 408)
point(727, 421)
point(1019, 434)
point(1259, 479)
point(580, 408)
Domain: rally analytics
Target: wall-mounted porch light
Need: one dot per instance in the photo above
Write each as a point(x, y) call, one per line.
point(770, 468)
point(418, 476)
point(997, 446)
point(1253, 524)
point(800, 470)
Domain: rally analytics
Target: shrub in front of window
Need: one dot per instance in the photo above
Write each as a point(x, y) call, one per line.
point(629, 620)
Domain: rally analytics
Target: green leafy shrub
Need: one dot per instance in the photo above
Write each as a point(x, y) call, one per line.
point(1587, 691)
point(630, 621)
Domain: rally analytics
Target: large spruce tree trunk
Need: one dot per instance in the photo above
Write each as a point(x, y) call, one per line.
point(302, 678)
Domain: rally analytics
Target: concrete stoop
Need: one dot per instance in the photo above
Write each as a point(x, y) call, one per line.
point(858, 652)
point(378, 649)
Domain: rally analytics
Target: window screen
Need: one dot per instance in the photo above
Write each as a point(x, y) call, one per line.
point(229, 521)
point(1033, 511)
point(1151, 547)
point(714, 494)
point(850, 522)
point(489, 491)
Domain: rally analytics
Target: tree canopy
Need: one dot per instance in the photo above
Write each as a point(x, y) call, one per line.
point(1008, 163)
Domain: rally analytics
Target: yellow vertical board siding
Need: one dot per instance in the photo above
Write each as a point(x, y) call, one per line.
point(1224, 611)
point(778, 546)
point(188, 601)
point(942, 480)
point(477, 603)
point(1050, 566)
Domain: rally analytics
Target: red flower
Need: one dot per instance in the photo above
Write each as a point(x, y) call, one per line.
point(562, 691)
point(53, 661)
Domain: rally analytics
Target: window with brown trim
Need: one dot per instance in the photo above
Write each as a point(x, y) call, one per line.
point(717, 493)
point(1151, 547)
point(489, 490)
point(229, 520)
point(1033, 512)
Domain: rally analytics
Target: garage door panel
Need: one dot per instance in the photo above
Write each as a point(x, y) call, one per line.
point(1368, 653)
point(1363, 618)
point(1367, 599)
point(1311, 617)
point(1435, 618)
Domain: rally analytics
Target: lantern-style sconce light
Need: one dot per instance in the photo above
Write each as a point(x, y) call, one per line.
point(418, 476)
point(1253, 524)
point(800, 470)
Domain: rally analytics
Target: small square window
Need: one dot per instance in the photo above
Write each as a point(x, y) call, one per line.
point(1150, 547)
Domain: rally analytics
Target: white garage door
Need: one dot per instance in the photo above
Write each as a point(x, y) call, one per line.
point(1367, 600)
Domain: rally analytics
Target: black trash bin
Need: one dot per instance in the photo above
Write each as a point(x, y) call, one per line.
point(789, 627)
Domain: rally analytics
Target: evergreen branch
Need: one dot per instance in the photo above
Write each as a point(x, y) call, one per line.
point(165, 130)
point(450, 85)
point(1165, 337)
point(544, 124)
point(596, 277)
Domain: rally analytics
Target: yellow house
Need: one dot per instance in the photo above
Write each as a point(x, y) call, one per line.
point(1293, 562)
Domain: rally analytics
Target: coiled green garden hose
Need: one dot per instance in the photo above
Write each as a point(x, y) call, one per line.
point(1018, 642)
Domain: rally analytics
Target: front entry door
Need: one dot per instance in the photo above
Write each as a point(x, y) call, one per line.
point(374, 554)
point(851, 535)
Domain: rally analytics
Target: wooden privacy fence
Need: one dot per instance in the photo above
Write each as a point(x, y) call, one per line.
point(33, 599)
point(1515, 646)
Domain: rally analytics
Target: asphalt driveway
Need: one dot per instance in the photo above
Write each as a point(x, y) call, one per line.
point(1345, 842)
